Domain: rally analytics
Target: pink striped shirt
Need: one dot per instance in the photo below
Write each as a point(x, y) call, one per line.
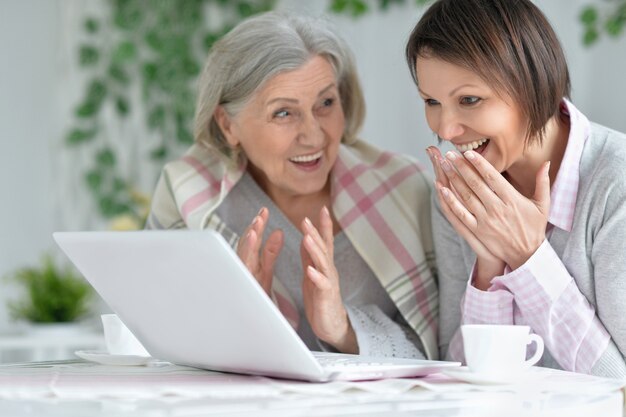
point(542, 293)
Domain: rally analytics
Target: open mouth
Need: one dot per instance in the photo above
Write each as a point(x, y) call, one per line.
point(307, 160)
point(476, 146)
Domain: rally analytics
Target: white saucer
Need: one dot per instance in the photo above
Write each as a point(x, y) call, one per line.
point(462, 373)
point(105, 358)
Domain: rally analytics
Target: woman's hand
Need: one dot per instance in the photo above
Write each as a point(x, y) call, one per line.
point(260, 261)
point(486, 208)
point(488, 265)
point(320, 287)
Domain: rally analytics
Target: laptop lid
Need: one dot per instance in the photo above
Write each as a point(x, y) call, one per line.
point(190, 300)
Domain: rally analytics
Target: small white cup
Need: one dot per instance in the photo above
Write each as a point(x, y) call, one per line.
point(119, 340)
point(499, 350)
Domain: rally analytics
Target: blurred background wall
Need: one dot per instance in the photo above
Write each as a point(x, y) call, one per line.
point(40, 84)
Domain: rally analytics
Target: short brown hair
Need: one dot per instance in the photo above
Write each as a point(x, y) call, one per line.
point(508, 43)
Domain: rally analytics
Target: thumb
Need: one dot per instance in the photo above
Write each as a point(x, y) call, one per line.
point(542, 188)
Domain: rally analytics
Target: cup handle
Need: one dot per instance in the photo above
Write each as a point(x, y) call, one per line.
point(538, 351)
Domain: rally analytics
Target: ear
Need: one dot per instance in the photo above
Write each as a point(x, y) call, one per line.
point(226, 125)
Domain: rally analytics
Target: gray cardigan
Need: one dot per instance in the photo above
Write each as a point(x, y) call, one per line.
point(593, 252)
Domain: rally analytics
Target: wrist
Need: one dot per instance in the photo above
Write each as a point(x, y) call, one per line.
point(345, 339)
point(485, 271)
point(521, 258)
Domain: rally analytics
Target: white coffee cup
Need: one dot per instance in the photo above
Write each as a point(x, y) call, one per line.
point(499, 350)
point(119, 339)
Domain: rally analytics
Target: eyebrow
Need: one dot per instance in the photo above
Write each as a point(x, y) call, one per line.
point(451, 92)
point(293, 100)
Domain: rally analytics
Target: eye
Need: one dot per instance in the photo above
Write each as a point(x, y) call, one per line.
point(281, 114)
point(328, 102)
point(470, 100)
point(431, 102)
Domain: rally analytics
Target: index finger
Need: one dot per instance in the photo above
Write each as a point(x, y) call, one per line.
point(492, 177)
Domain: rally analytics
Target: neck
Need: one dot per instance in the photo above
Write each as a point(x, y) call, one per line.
point(551, 149)
point(298, 206)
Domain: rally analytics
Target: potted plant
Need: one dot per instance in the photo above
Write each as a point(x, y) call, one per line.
point(51, 295)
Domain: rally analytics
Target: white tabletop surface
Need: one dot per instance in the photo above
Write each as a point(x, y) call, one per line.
point(85, 389)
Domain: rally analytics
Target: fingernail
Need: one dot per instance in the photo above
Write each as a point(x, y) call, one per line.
point(325, 209)
point(260, 211)
point(308, 222)
point(469, 155)
point(255, 220)
point(445, 192)
point(451, 155)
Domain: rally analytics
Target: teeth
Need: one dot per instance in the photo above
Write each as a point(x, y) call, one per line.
point(471, 146)
point(306, 158)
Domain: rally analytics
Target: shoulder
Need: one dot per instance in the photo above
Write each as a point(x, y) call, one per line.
point(603, 168)
point(604, 156)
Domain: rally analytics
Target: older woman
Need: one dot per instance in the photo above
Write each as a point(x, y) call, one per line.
point(349, 258)
point(530, 211)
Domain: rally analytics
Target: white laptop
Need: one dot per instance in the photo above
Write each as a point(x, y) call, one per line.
point(190, 301)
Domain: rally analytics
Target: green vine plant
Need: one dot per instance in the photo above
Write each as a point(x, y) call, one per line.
point(610, 20)
point(159, 46)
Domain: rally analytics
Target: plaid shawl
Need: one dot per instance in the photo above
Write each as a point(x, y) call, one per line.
point(380, 199)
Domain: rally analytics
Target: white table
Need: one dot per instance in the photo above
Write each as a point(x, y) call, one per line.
point(82, 389)
point(46, 346)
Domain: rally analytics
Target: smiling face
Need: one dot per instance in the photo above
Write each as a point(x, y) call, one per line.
point(290, 130)
point(463, 109)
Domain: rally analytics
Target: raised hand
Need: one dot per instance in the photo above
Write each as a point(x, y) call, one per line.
point(260, 260)
point(486, 207)
point(320, 287)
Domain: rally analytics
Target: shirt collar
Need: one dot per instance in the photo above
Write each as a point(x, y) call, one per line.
point(565, 187)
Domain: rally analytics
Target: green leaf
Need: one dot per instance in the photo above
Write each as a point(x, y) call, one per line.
point(107, 206)
point(156, 117)
point(91, 25)
point(589, 16)
point(183, 136)
point(590, 37)
point(88, 55)
point(119, 185)
point(122, 106)
point(159, 154)
point(209, 39)
point(106, 158)
point(117, 73)
point(77, 136)
point(614, 26)
point(94, 181)
point(96, 91)
point(150, 71)
point(87, 109)
point(153, 40)
point(125, 51)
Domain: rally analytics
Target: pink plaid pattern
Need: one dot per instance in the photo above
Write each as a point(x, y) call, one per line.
point(542, 293)
point(367, 193)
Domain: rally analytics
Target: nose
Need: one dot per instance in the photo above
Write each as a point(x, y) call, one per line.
point(311, 131)
point(449, 126)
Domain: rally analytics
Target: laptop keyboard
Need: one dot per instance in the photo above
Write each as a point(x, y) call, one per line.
point(344, 361)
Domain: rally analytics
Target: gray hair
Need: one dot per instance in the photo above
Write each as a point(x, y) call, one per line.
point(260, 48)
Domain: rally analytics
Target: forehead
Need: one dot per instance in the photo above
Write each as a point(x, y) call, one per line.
point(432, 72)
point(311, 78)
